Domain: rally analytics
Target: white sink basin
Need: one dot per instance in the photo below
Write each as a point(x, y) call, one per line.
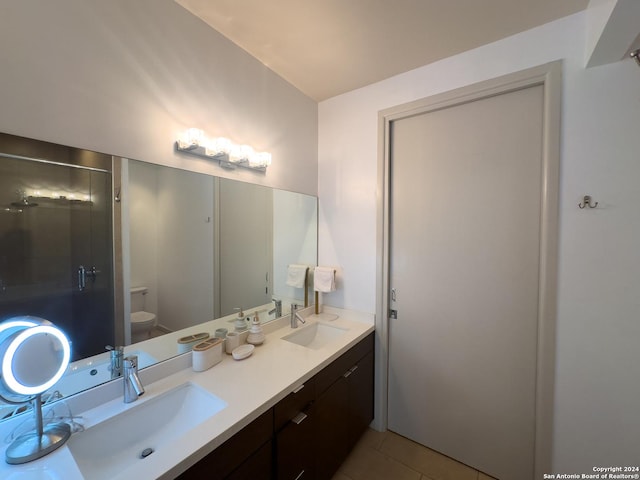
point(142, 432)
point(315, 336)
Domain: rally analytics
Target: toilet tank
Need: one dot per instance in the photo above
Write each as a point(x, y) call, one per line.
point(137, 298)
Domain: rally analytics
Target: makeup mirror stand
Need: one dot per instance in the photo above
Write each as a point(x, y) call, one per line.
point(34, 445)
point(34, 355)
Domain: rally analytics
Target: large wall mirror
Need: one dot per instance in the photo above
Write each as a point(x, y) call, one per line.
point(123, 252)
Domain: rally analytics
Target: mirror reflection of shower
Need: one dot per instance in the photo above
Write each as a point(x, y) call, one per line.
point(56, 217)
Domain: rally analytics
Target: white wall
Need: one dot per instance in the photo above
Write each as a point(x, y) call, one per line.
point(598, 372)
point(125, 77)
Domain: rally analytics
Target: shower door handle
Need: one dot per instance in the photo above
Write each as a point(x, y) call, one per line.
point(82, 278)
point(83, 273)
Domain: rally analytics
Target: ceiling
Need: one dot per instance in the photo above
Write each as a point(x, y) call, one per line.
point(329, 47)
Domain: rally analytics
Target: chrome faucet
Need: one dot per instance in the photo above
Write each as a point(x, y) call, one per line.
point(278, 308)
point(115, 365)
point(132, 385)
point(295, 316)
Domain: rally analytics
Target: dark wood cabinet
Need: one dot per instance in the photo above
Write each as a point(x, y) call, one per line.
point(249, 450)
point(344, 408)
point(308, 434)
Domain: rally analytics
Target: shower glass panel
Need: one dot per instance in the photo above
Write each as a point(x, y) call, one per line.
point(56, 249)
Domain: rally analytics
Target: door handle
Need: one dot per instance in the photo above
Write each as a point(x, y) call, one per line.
point(82, 278)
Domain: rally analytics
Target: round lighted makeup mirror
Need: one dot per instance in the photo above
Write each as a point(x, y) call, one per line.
point(34, 355)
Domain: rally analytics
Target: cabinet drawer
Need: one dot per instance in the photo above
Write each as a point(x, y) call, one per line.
point(342, 364)
point(294, 403)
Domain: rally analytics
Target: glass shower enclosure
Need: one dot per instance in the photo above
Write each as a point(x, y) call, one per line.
point(56, 247)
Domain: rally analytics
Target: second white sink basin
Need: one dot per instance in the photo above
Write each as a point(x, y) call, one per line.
point(315, 336)
point(146, 430)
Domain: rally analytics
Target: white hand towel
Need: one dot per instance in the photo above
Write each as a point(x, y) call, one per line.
point(324, 279)
point(296, 275)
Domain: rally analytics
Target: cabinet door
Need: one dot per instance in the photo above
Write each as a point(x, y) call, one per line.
point(360, 398)
point(330, 415)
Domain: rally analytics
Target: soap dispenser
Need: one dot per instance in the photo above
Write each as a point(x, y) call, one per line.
point(256, 335)
point(240, 322)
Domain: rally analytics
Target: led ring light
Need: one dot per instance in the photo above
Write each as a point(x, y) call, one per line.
point(34, 356)
point(8, 375)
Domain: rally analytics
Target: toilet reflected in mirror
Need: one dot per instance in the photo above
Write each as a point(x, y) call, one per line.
point(142, 322)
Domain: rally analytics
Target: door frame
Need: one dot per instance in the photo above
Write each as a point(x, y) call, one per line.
point(549, 76)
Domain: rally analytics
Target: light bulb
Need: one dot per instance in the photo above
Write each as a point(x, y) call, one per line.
point(260, 159)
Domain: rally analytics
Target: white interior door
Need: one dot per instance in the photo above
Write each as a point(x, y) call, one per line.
point(465, 229)
point(246, 246)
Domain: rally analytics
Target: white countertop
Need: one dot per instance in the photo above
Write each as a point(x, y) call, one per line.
point(249, 387)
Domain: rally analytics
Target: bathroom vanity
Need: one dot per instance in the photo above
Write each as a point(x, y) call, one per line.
point(286, 409)
point(308, 433)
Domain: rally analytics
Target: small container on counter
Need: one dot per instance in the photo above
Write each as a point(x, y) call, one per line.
point(185, 344)
point(221, 332)
point(207, 354)
point(256, 335)
point(233, 341)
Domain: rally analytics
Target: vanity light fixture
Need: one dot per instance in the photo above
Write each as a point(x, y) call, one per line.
point(228, 154)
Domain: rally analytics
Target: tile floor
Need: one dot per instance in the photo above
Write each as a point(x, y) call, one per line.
point(388, 456)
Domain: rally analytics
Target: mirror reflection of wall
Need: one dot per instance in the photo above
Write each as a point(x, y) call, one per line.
point(295, 234)
point(204, 246)
point(171, 243)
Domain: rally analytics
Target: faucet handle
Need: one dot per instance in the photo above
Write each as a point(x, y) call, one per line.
point(131, 362)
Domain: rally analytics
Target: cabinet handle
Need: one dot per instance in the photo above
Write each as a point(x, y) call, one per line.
point(353, 369)
point(299, 418)
point(299, 475)
point(297, 389)
point(347, 374)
